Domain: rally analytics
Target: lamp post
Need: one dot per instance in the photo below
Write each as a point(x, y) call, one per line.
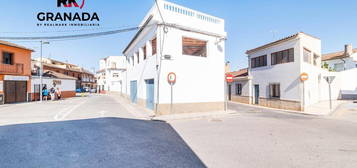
point(41, 70)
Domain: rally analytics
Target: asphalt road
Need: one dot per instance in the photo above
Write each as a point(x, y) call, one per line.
point(267, 138)
point(89, 132)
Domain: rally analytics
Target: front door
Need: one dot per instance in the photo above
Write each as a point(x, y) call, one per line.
point(256, 94)
point(133, 91)
point(15, 91)
point(229, 92)
point(150, 94)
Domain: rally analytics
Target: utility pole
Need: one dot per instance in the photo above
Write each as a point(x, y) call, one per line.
point(41, 70)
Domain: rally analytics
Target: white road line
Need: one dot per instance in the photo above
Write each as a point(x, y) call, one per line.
point(67, 111)
point(102, 113)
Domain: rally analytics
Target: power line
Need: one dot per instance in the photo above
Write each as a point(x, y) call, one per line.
point(73, 37)
point(68, 31)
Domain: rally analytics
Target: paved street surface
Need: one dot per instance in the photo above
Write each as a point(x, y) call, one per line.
point(87, 132)
point(269, 139)
point(97, 131)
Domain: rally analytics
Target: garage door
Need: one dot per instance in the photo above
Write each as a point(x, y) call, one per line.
point(15, 91)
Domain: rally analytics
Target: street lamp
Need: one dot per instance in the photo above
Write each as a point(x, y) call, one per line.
point(41, 70)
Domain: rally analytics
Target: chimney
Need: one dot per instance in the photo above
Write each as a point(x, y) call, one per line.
point(228, 67)
point(348, 50)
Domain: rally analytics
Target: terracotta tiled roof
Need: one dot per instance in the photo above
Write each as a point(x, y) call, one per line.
point(239, 73)
point(53, 74)
point(336, 55)
point(278, 42)
point(14, 45)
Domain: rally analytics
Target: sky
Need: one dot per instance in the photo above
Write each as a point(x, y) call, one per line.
point(249, 24)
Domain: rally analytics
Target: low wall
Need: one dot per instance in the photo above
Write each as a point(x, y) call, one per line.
point(65, 94)
point(280, 104)
point(241, 99)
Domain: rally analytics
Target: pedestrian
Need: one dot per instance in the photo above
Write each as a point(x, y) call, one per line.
point(44, 93)
point(52, 93)
point(59, 93)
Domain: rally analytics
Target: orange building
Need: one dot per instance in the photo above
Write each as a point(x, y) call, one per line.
point(15, 73)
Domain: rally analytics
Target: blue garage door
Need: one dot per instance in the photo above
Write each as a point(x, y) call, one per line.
point(133, 92)
point(150, 94)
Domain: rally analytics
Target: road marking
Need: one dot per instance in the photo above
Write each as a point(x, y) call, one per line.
point(67, 111)
point(102, 113)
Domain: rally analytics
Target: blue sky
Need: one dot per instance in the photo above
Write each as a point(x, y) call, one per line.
point(249, 23)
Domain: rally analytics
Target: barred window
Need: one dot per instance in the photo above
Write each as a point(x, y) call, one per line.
point(274, 90)
point(194, 47)
point(153, 46)
point(307, 56)
point(239, 89)
point(281, 57)
point(259, 61)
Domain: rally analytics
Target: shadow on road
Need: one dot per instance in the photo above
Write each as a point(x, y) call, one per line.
point(104, 142)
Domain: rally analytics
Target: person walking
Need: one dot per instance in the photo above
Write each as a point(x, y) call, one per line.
point(59, 93)
point(52, 93)
point(44, 93)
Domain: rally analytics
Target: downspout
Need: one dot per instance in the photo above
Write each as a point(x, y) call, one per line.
point(344, 63)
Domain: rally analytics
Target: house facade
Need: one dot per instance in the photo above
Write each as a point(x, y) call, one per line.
point(15, 73)
point(85, 78)
point(50, 79)
point(111, 74)
point(288, 74)
point(185, 42)
point(342, 60)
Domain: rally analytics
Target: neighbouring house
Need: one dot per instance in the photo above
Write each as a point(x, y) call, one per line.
point(52, 79)
point(85, 78)
point(238, 90)
point(15, 73)
point(111, 74)
point(276, 70)
point(342, 60)
point(190, 44)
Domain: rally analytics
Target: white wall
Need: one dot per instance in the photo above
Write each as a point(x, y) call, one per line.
point(66, 84)
point(348, 64)
point(286, 74)
point(199, 79)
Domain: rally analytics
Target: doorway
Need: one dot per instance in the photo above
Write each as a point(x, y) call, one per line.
point(15, 91)
point(229, 92)
point(133, 91)
point(150, 94)
point(256, 94)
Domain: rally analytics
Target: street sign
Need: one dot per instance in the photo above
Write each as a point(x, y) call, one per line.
point(229, 78)
point(329, 79)
point(171, 78)
point(304, 76)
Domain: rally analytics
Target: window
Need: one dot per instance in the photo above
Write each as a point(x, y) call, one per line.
point(281, 57)
point(115, 75)
point(339, 67)
point(316, 57)
point(153, 46)
point(239, 89)
point(144, 51)
point(7, 58)
point(307, 56)
point(274, 90)
point(138, 57)
point(194, 47)
point(259, 61)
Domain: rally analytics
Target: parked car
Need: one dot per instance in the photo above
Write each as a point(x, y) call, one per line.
point(79, 90)
point(86, 89)
point(93, 90)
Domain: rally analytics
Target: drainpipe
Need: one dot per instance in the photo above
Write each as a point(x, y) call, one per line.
point(344, 63)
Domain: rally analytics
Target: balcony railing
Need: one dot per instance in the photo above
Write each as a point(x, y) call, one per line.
point(11, 69)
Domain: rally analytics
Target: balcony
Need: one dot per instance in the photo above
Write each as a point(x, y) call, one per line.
point(15, 69)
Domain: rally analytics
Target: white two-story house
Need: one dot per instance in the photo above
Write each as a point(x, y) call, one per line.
point(288, 74)
point(184, 41)
point(111, 74)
